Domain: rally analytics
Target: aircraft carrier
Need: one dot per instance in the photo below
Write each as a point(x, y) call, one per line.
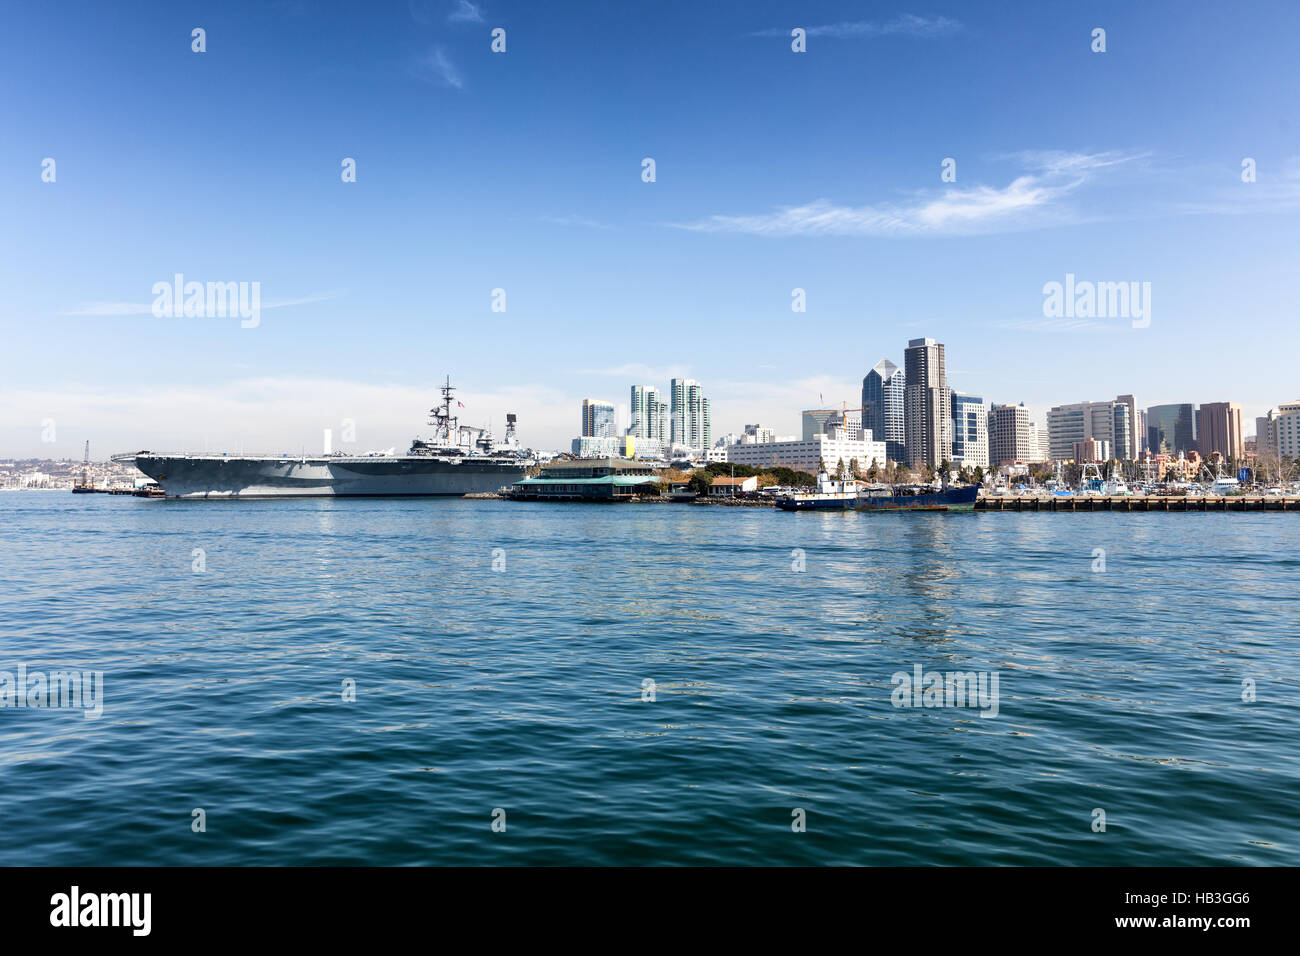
point(458, 460)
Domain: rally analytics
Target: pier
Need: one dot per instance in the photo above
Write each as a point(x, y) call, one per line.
point(1141, 503)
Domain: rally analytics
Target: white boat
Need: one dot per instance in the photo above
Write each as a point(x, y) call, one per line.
point(1224, 485)
point(1115, 485)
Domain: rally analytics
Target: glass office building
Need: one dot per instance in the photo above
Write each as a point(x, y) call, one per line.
point(1171, 429)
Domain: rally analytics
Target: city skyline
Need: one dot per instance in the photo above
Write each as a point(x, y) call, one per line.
point(477, 172)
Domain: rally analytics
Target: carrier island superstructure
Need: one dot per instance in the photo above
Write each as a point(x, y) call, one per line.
point(457, 460)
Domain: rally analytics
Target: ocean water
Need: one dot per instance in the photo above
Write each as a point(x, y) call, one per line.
point(501, 654)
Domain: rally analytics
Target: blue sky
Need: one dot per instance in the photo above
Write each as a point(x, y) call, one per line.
point(775, 170)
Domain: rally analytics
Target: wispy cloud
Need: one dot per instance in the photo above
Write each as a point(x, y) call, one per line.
point(906, 25)
point(436, 67)
point(1056, 325)
point(116, 309)
point(1028, 201)
point(574, 220)
point(641, 372)
point(1276, 189)
point(465, 12)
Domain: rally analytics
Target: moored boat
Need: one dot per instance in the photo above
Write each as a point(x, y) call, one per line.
point(846, 495)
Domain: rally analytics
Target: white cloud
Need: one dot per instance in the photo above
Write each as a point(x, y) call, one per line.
point(638, 373)
point(1028, 201)
point(113, 309)
point(905, 25)
point(575, 220)
point(1057, 325)
point(465, 12)
point(436, 67)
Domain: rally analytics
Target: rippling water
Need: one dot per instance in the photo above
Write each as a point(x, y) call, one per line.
point(522, 688)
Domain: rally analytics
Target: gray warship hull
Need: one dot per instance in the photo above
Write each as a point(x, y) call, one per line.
point(222, 476)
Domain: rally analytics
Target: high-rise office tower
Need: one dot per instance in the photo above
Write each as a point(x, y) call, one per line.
point(1136, 436)
point(1011, 435)
point(1171, 429)
point(970, 431)
point(1266, 435)
point(927, 404)
point(1218, 428)
point(882, 407)
point(1103, 421)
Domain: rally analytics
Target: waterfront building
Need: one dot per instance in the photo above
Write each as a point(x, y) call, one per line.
point(1171, 429)
point(1108, 422)
point(970, 432)
point(1218, 428)
point(882, 407)
point(587, 479)
point(597, 418)
point(1011, 435)
point(725, 486)
point(689, 409)
point(1288, 430)
point(808, 455)
point(927, 404)
point(649, 414)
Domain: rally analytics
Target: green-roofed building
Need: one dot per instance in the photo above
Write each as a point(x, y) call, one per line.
point(588, 479)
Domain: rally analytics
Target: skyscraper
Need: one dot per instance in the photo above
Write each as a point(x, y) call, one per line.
point(1218, 428)
point(970, 431)
point(1137, 435)
point(1171, 429)
point(927, 404)
point(882, 407)
point(649, 414)
point(691, 425)
point(597, 418)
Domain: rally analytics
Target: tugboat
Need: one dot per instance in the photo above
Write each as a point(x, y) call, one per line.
point(846, 495)
point(832, 494)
